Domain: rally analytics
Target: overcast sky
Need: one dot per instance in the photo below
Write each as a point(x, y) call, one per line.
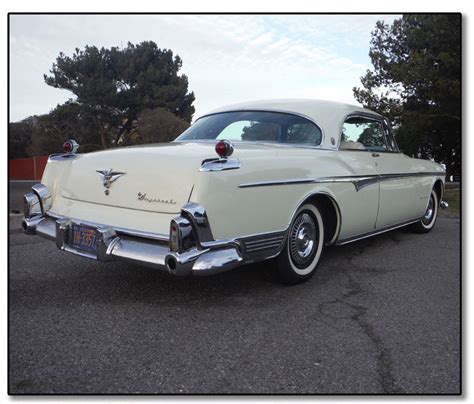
point(227, 58)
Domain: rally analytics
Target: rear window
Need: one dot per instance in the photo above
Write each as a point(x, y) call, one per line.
point(255, 126)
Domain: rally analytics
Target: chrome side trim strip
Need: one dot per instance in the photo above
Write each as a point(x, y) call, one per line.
point(359, 181)
point(374, 232)
point(309, 181)
point(385, 177)
point(365, 182)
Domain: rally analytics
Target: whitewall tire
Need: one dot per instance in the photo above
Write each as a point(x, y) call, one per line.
point(428, 220)
point(304, 244)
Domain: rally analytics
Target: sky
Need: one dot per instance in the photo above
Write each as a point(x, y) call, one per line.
point(227, 58)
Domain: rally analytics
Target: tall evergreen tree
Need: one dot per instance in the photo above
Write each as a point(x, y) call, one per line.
point(115, 85)
point(415, 81)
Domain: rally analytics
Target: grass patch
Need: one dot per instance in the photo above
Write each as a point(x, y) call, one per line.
point(451, 195)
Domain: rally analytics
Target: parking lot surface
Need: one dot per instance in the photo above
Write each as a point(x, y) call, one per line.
point(381, 315)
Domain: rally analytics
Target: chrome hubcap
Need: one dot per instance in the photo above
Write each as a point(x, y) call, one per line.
point(303, 240)
point(429, 212)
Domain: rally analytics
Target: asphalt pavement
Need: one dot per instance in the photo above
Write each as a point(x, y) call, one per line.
point(16, 191)
point(381, 315)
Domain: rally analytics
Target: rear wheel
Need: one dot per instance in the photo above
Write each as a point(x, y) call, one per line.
point(428, 220)
point(304, 244)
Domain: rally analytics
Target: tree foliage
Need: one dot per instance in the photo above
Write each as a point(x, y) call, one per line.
point(19, 137)
point(415, 82)
point(113, 86)
point(260, 131)
point(148, 122)
point(67, 121)
point(123, 96)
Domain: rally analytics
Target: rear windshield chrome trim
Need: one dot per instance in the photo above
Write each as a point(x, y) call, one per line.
point(249, 142)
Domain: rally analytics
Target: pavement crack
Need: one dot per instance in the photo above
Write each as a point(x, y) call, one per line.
point(384, 357)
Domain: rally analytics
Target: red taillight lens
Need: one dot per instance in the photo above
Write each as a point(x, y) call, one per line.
point(68, 146)
point(224, 148)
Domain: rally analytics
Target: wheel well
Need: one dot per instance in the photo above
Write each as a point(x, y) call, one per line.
point(438, 187)
point(330, 214)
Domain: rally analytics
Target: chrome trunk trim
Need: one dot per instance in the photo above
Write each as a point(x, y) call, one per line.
point(120, 230)
point(219, 164)
point(62, 156)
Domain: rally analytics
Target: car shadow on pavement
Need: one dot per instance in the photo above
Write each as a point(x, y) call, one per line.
point(79, 280)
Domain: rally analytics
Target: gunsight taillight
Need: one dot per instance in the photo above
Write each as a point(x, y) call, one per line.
point(224, 148)
point(70, 146)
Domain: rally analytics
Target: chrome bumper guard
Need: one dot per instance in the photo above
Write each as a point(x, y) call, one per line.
point(137, 250)
point(444, 204)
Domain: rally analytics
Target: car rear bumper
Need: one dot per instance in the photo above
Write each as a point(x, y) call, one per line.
point(114, 246)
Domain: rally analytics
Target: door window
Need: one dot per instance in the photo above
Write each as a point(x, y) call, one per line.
point(360, 133)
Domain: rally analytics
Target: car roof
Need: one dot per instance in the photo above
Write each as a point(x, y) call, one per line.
point(328, 115)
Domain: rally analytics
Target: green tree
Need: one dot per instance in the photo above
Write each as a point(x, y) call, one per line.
point(19, 137)
point(158, 125)
point(113, 86)
point(67, 121)
point(260, 131)
point(415, 82)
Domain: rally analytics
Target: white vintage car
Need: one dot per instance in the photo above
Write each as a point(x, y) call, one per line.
point(246, 183)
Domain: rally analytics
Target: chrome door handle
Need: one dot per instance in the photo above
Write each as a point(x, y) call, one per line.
point(375, 155)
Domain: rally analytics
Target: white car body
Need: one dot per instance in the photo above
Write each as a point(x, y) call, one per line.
point(248, 200)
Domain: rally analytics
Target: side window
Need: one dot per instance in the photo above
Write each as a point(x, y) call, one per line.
point(363, 134)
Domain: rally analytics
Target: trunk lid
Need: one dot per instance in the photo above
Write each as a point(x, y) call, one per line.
point(156, 178)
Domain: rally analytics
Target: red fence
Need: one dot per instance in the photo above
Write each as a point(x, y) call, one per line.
point(27, 169)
